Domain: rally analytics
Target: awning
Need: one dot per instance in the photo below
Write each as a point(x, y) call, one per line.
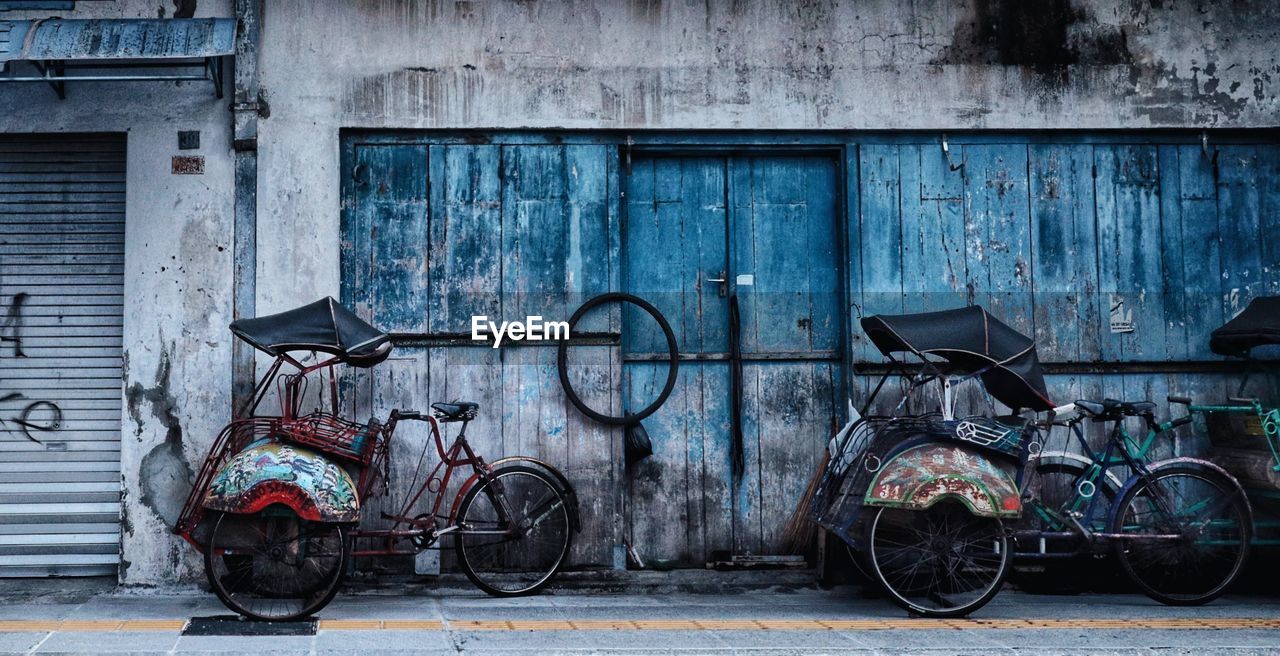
point(116, 50)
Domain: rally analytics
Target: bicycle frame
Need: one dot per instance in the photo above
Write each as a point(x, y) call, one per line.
point(459, 454)
point(1122, 450)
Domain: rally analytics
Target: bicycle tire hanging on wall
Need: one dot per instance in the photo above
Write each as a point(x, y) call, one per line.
point(673, 350)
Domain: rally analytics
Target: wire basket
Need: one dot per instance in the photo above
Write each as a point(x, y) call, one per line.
point(332, 435)
point(854, 462)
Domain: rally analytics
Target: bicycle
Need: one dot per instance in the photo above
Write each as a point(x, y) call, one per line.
point(283, 495)
point(1180, 528)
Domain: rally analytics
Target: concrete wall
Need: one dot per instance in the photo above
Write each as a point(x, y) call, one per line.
point(618, 64)
point(176, 390)
point(602, 64)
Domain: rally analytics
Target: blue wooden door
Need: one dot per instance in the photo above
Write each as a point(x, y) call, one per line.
point(699, 232)
point(435, 234)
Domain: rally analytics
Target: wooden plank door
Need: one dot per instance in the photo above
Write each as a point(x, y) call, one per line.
point(699, 231)
point(435, 234)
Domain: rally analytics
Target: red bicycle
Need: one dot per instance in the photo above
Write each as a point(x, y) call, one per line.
point(276, 506)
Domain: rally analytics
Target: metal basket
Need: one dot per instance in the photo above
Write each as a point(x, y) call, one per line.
point(332, 435)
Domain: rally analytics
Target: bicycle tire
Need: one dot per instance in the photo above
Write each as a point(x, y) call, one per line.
point(673, 350)
point(1130, 557)
point(460, 546)
point(219, 582)
point(935, 589)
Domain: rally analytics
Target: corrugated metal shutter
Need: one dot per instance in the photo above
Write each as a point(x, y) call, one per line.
point(62, 202)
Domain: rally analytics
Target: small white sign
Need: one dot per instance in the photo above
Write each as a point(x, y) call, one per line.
point(1121, 318)
point(746, 279)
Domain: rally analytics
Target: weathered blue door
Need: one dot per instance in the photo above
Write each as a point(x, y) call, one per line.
point(436, 234)
point(701, 232)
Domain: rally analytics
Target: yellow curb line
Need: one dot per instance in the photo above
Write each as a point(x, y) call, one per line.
point(145, 625)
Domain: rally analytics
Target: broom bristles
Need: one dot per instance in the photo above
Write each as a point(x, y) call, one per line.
point(800, 533)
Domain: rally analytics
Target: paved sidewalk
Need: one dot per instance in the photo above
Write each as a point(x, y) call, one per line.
point(839, 621)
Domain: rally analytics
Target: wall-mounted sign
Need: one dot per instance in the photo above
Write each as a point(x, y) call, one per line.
point(188, 165)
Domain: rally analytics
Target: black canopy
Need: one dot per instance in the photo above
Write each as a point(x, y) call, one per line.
point(1258, 325)
point(972, 341)
point(324, 326)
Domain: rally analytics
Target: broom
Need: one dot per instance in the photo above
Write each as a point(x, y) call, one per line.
point(800, 533)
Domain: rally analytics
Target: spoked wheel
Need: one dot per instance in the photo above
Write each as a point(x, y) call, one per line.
point(273, 565)
point(515, 532)
point(939, 562)
point(1186, 534)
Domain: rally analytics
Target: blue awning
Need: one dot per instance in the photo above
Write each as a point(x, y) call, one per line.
point(65, 50)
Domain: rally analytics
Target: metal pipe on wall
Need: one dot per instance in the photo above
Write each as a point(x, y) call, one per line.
point(245, 142)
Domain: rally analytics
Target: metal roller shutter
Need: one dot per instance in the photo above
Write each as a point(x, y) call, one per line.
point(62, 201)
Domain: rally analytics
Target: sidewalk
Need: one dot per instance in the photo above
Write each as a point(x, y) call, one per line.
point(839, 621)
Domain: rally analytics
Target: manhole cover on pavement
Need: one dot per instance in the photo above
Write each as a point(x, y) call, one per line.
point(232, 625)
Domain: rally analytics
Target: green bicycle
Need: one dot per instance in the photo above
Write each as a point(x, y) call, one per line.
point(1180, 528)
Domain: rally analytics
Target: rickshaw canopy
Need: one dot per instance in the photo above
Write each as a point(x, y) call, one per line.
point(1258, 325)
point(325, 326)
point(971, 341)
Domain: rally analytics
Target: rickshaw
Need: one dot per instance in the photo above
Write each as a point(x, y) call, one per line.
point(933, 504)
point(1244, 433)
point(276, 506)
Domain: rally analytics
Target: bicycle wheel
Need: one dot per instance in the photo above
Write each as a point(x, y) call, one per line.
point(274, 566)
point(515, 532)
point(1186, 532)
point(1058, 493)
point(939, 562)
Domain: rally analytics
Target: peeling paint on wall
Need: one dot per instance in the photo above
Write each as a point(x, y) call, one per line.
point(165, 472)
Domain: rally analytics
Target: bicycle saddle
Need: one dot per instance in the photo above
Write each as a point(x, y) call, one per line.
point(456, 411)
point(1111, 408)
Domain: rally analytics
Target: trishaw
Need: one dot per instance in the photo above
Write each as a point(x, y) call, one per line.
point(1244, 433)
point(276, 506)
point(935, 506)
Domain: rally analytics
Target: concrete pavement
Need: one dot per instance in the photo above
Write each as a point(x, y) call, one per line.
point(780, 621)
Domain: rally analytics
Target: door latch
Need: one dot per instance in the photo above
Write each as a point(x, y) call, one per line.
point(724, 278)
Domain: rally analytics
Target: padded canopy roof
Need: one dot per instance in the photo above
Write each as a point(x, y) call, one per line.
point(325, 326)
point(972, 341)
point(1258, 325)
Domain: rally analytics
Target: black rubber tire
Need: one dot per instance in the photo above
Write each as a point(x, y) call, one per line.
point(1213, 477)
point(464, 563)
point(959, 611)
point(225, 596)
point(672, 348)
